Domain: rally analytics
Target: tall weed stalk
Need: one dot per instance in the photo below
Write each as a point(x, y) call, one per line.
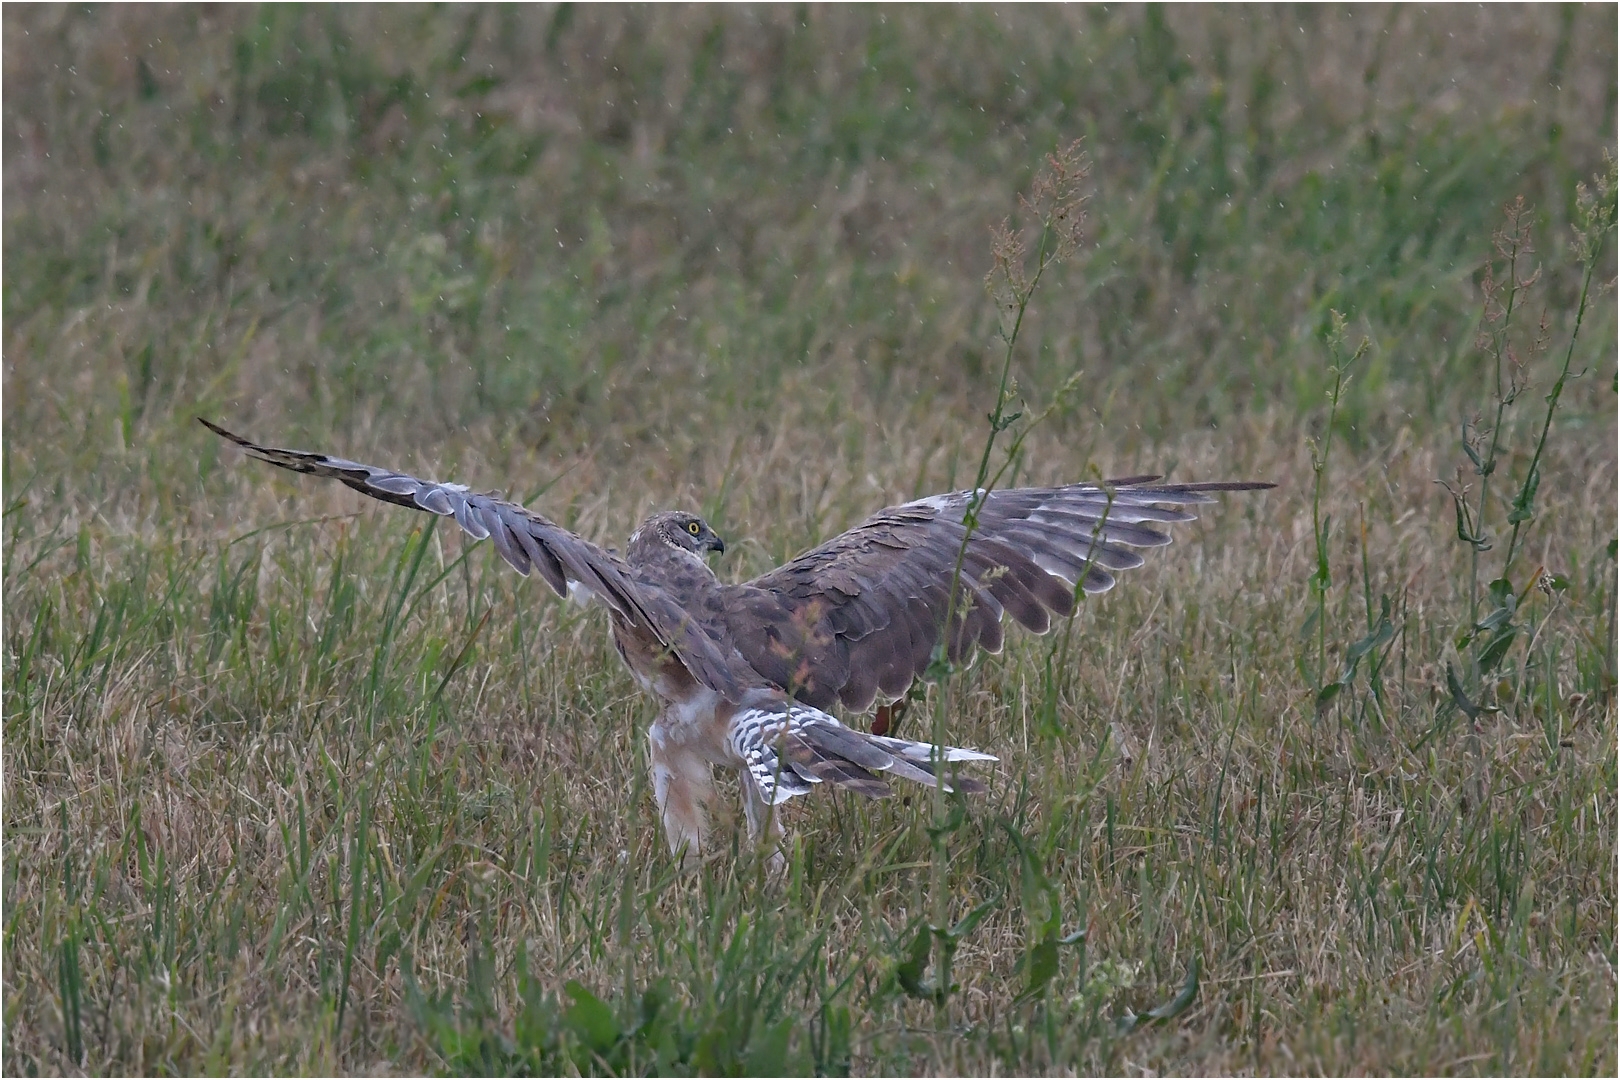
point(1486, 641)
point(1322, 524)
point(1055, 206)
point(1378, 638)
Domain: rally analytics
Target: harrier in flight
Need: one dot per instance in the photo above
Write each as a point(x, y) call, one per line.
point(746, 672)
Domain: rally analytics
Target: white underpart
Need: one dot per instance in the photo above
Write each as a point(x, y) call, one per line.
point(579, 593)
point(686, 719)
point(681, 784)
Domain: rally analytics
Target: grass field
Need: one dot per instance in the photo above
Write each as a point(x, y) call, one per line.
point(294, 782)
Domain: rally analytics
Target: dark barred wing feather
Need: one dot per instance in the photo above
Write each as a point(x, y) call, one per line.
point(861, 614)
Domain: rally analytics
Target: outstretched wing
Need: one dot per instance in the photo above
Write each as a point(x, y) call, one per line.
point(570, 564)
point(861, 614)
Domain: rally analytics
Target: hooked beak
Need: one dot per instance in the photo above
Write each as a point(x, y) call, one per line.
point(718, 546)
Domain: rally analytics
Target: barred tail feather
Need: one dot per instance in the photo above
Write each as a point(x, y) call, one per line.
point(787, 747)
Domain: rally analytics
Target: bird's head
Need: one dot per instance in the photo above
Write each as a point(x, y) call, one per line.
point(678, 529)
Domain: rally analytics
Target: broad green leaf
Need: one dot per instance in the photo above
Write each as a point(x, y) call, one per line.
point(1468, 448)
point(768, 1055)
point(964, 926)
point(1524, 507)
point(1169, 1010)
point(1458, 695)
point(1183, 1000)
point(909, 972)
point(1493, 653)
point(591, 1018)
point(1041, 967)
point(1376, 638)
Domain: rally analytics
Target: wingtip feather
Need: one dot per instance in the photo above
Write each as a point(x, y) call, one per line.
point(222, 433)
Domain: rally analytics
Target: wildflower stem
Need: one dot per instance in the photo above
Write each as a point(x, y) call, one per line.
point(1531, 479)
point(1504, 398)
point(1054, 194)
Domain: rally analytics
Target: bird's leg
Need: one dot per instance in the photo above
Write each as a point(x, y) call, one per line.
point(888, 715)
point(682, 783)
point(764, 825)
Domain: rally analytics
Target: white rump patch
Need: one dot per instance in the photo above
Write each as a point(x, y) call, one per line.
point(693, 713)
point(936, 502)
point(953, 500)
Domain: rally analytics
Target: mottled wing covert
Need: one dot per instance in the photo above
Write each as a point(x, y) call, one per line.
point(861, 614)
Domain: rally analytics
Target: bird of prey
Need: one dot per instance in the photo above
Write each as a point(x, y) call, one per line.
point(746, 673)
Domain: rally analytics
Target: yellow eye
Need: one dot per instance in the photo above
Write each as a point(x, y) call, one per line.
point(693, 527)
